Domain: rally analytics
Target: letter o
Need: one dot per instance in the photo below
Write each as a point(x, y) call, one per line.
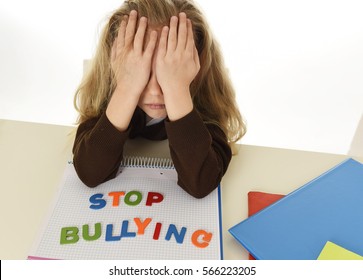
point(133, 202)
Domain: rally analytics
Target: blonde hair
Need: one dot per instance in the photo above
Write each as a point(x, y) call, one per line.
point(212, 91)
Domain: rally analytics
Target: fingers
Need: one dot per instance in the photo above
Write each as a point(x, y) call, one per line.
point(172, 38)
point(163, 41)
point(182, 31)
point(120, 40)
point(196, 57)
point(133, 36)
point(140, 34)
point(140, 39)
point(149, 50)
point(131, 28)
point(190, 38)
point(180, 35)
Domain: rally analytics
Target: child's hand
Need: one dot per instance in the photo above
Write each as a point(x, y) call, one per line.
point(177, 64)
point(130, 62)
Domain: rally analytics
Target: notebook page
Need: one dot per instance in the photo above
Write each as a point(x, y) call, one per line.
point(141, 214)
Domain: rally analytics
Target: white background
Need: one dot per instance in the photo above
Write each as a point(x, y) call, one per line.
point(297, 66)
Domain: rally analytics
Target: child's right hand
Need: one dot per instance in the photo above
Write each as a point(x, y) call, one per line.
point(130, 62)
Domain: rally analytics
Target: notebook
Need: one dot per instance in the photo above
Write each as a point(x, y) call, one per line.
point(296, 227)
point(141, 214)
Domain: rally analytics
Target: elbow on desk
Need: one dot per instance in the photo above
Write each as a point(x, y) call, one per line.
point(199, 195)
point(198, 191)
point(90, 179)
point(199, 186)
point(89, 182)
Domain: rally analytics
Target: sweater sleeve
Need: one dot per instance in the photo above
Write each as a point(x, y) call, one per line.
point(98, 150)
point(200, 152)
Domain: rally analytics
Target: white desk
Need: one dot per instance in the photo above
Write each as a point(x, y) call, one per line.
point(33, 157)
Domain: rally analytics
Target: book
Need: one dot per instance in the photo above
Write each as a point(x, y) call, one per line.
point(332, 251)
point(296, 227)
point(141, 214)
point(258, 201)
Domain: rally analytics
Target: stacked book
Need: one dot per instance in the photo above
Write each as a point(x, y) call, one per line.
point(323, 219)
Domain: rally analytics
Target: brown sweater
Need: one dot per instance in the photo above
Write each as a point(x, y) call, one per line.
point(200, 152)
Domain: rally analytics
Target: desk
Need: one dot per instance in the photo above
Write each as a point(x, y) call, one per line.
point(33, 157)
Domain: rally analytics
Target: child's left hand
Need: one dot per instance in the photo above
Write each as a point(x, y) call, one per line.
point(177, 64)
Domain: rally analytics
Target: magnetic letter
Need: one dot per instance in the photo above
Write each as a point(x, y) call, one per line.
point(206, 238)
point(109, 236)
point(141, 225)
point(97, 201)
point(69, 235)
point(157, 231)
point(97, 234)
point(179, 237)
point(137, 201)
point(116, 197)
point(124, 230)
point(154, 197)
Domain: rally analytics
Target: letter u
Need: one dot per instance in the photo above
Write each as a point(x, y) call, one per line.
point(95, 236)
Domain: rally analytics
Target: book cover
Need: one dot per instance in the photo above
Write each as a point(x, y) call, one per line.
point(141, 214)
point(297, 226)
point(258, 201)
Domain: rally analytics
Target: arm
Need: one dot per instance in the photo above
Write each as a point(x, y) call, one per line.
point(98, 150)
point(200, 153)
point(131, 64)
point(177, 64)
point(98, 147)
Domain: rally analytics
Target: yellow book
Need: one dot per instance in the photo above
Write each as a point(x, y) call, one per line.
point(332, 251)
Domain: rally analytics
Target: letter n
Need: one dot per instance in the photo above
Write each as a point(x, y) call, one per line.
point(179, 237)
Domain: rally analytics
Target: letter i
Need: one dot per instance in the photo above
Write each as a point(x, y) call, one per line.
point(157, 231)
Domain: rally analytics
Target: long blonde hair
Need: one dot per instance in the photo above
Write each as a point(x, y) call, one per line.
point(212, 91)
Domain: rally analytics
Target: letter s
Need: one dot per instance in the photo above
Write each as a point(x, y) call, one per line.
point(97, 201)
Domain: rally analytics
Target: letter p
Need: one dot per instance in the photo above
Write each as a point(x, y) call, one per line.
point(154, 197)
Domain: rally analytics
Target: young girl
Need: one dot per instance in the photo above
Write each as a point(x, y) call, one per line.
point(158, 73)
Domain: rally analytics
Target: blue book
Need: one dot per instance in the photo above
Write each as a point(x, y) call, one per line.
point(296, 227)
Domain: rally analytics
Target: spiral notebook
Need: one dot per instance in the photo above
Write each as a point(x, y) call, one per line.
point(141, 214)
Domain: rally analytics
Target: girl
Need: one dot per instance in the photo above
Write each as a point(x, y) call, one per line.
point(158, 73)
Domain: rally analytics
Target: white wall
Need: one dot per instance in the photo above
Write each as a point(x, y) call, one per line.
point(297, 65)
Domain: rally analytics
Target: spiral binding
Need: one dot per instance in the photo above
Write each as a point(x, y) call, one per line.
point(147, 162)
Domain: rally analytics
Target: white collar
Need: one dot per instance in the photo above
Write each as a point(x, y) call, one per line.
point(155, 121)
